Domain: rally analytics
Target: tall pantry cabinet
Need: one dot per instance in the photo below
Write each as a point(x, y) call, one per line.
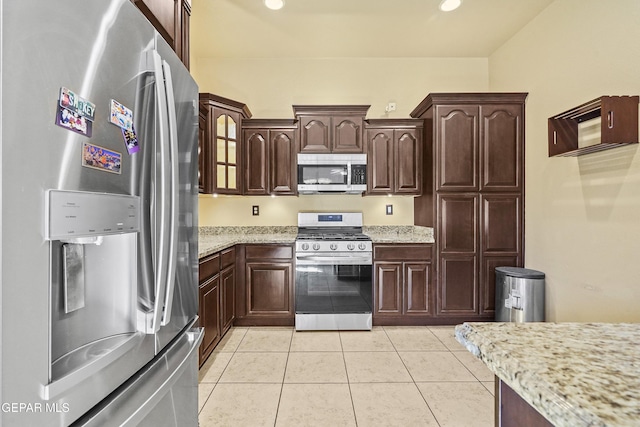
point(474, 147)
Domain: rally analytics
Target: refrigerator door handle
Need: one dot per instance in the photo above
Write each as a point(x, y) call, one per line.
point(161, 211)
point(173, 217)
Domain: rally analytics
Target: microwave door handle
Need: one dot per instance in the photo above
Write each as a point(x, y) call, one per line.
point(173, 194)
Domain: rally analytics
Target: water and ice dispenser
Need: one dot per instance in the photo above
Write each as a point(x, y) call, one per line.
point(93, 277)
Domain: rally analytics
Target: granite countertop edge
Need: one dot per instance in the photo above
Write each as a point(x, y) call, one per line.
point(524, 379)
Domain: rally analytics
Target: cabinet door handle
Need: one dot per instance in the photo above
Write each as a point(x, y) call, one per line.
point(610, 119)
point(555, 137)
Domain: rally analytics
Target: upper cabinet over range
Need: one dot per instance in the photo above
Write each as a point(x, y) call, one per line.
point(331, 128)
point(244, 156)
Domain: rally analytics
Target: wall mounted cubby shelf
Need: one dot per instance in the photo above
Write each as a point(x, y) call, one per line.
point(619, 125)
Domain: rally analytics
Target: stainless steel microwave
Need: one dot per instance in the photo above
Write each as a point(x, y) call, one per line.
point(332, 173)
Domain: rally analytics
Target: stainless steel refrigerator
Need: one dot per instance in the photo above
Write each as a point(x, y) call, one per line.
point(98, 255)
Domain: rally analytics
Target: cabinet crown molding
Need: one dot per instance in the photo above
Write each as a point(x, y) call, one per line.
point(468, 98)
point(330, 110)
point(393, 123)
point(226, 103)
point(270, 123)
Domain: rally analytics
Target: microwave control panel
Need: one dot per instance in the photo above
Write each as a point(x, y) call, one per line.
point(358, 174)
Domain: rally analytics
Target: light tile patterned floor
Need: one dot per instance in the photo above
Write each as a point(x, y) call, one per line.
point(391, 376)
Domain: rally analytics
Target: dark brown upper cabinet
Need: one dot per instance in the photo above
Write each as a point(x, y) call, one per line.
point(473, 195)
point(618, 125)
point(394, 156)
point(478, 147)
point(330, 128)
point(270, 164)
point(172, 20)
point(219, 145)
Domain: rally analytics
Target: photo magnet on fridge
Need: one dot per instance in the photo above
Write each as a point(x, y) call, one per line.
point(96, 157)
point(120, 115)
point(131, 140)
point(77, 104)
point(72, 120)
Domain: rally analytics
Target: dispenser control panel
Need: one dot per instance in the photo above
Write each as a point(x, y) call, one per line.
point(72, 214)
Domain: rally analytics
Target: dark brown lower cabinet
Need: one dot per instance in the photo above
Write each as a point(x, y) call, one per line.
point(209, 304)
point(227, 289)
point(265, 296)
point(513, 411)
point(217, 280)
point(402, 284)
point(476, 233)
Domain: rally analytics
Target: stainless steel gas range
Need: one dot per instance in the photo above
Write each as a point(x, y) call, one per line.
point(333, 286)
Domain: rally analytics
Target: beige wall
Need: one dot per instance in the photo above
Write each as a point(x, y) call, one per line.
point(582, 214)
point(236, 210)
point(271, 86)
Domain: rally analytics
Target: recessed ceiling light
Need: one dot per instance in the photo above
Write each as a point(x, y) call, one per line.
point(449, 5)
point(274, 4)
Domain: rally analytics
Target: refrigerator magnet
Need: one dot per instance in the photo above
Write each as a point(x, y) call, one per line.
point(96, 157)
point(131, 140)
point(77, 104)
point(72, 120)
point(121, 116)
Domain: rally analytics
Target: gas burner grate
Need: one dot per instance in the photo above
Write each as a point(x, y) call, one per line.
point(332, 236)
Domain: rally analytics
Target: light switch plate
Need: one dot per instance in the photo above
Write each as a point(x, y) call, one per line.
point(389, 209)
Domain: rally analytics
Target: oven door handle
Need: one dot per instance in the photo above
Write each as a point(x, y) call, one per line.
point(333, 260)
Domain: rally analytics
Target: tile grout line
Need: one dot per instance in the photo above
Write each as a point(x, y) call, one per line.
point(346, 371)
point(284, 375)
point(215, 384)
point(409, 372)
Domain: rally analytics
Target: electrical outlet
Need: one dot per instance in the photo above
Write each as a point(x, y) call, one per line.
point(255, 209)
point(389, 209)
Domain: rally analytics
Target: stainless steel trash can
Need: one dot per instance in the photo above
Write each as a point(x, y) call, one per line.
point(519, 295)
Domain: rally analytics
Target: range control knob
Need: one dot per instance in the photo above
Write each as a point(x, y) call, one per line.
point(351, 246)
point(333, 246)
point(305, 246)
point(361, 246)
point(316, 246)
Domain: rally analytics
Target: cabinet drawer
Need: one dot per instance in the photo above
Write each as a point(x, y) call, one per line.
point(268, 252)
point(227, 258)
point(421, 252)
point(208, 267)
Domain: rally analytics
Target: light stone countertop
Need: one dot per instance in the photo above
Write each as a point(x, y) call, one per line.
point(575, 374)
point(399, 233)
point(215, 239)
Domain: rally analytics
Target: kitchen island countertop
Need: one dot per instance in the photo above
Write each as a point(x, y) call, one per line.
point(215, 239)
point(575, 374)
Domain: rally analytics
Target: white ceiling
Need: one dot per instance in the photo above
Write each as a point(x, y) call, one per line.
point(356, 28)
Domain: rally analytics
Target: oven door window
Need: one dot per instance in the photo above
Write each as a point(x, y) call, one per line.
point(322, 174)
point(333, 289)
